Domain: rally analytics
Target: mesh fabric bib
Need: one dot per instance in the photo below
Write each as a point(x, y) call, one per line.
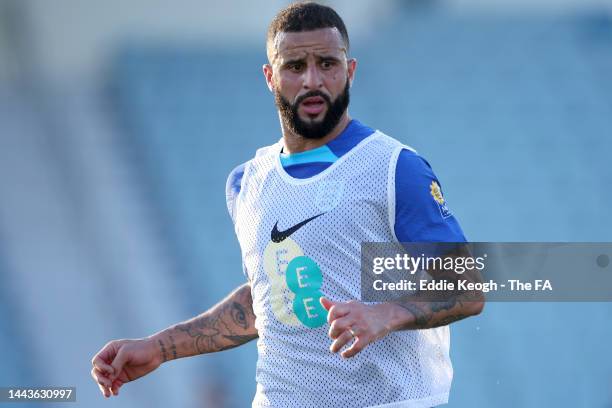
point(301, 239)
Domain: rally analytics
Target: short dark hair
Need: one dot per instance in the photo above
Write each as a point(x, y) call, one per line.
point(306, 16)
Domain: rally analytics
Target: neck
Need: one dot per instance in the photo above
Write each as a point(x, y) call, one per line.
point(295, 143)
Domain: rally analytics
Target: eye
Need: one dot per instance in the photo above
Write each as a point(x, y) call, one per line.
point(327, 64)
point(295, 67)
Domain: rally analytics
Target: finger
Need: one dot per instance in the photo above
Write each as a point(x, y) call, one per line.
point(341, 341)
point(105, 391)
point(340, 325)
point(338, 310)
point(116, 385)
point(326, 303)
point(100, 378)
point(98, 361)
point(101, 381)
point(355, 348)
point(118, 362)
point(123, 377)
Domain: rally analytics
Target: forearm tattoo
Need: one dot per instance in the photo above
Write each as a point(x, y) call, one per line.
point(163, 351)
point(448, 307)
point(227, 325)
point(172, 347)
point(433, 314)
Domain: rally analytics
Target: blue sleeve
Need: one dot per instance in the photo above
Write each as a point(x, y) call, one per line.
point(232, 188)
point(421, 211)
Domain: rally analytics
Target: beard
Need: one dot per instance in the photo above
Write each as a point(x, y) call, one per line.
point(310, 129)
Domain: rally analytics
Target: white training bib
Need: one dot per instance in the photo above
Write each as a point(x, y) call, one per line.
point(300, 240)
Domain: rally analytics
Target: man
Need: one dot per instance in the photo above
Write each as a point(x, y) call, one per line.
point(301, 208)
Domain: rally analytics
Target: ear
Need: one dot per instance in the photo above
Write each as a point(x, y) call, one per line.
point(267, 71)
point(351, 67)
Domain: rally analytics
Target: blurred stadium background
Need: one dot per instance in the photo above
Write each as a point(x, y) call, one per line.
point(120, 121)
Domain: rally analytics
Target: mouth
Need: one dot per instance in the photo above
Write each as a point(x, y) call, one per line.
point(313, 105)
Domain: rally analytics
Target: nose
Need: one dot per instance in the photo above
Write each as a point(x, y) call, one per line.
point(312, 78)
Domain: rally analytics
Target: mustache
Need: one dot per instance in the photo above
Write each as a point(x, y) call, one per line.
point(310, 94)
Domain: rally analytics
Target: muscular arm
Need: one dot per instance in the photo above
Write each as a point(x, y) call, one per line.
point(421, 311)
point(421, 218)
point(414, 313)
point(367, 323)
point(226, 325)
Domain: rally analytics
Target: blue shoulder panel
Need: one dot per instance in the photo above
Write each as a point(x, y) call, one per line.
point(421, 211)
point(232, 187)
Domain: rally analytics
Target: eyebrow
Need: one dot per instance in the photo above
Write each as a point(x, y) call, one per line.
point(328, 57)
point(319, 57)
point(293, 61)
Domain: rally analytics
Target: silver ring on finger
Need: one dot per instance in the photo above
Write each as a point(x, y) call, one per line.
point(350, 329)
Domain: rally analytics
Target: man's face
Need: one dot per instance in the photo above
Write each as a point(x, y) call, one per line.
point(310, 77)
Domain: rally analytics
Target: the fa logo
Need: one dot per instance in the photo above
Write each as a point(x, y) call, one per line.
point(329, 194)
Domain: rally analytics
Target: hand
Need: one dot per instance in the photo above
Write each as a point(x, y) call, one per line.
point(121, 361)
point(368, 323)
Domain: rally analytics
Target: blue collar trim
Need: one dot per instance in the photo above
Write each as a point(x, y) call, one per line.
point(321, 154)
